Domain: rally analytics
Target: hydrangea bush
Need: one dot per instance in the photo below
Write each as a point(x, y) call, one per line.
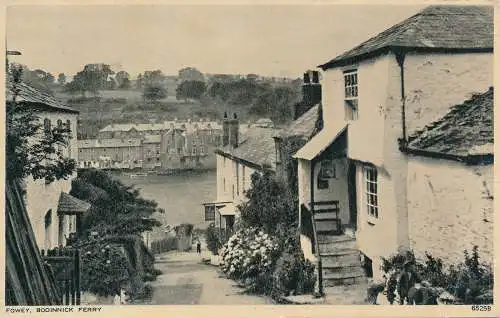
point(248, 253)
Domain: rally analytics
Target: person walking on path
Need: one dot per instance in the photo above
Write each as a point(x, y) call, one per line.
point(198, 247)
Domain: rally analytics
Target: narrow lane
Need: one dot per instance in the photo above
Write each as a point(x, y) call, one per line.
point(185, 280)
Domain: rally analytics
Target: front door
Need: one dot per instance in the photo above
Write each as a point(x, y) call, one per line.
point(351, 189)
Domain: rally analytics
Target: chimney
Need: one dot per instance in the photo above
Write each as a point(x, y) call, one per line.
point(311, 93)
point(234, 131)
point(225, 130)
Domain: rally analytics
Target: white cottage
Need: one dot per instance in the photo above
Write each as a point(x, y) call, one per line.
point(358, 177)
point(237, 160)
point(53, 213)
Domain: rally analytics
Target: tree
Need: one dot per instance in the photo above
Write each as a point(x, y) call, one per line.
point(123, 80)
point(31, 150)
point(93, 78)
point(116, 208)
point(190, 89)
point(154, 92)
point(188, 74)
point(61, 79)
point(269, 204)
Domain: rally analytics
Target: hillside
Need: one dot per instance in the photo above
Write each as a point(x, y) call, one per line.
point(122, 106)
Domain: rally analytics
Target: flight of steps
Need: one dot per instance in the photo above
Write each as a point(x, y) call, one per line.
point(341, 261)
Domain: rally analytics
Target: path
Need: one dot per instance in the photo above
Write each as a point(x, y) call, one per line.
point(185, 280)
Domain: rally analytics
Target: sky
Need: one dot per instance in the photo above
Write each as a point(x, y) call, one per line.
point(272, 40)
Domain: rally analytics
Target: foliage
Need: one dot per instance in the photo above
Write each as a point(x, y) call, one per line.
point(116, 208)
point(248, 253)
point(191, 89)
point(213, 238)
point(154, 92)
point(266, 264)
point(190, 74)
point(123, 79)
point(269, 204)
point(469, 282)
point(93, 78)
point(61, 79)
point(105, 269)
point(29, 149)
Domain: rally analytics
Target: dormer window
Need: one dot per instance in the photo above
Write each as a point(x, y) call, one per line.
point(351, 94)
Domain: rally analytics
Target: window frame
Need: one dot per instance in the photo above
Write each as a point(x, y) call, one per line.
point(351, 94)
point(371, 196)
point(209, 211)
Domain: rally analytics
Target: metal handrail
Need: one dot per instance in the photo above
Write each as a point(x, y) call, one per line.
point(318, 255)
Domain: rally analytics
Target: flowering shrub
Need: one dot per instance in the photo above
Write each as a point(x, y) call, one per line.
point(248, 253)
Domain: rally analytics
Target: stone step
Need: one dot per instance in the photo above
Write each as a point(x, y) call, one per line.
point(353, 270)
point(333, 281)
point(332, 247)
point(342, 257)
point(326, 225)
point(322, 216)
point(328, 238)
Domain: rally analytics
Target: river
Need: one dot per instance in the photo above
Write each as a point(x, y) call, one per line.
point(180, 195)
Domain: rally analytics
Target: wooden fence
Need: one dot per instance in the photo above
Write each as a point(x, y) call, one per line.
point(64, 267)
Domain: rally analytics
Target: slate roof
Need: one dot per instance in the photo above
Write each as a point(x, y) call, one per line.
point(28, 94)
point(438, 27)
point(256, 148)
point(109, 143)
point(466, 130)
point(303, 126)
point(70, 205)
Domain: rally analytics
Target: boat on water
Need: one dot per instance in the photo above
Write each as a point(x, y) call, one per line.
point(138, 175)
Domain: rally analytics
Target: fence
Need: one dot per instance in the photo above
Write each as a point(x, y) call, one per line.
point(164, 245)
point(64, 266)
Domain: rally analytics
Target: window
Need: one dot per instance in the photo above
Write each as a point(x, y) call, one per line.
point(210, 213)
point(371, 191)
point(193, 151)
point(224, 184)
point(202, 150)
point(351, 94)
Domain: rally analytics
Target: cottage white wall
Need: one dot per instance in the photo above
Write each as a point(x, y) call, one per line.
point(226, 170)
point(337, 188)
point(435, 82)
point(376, 237)
point(40, 198)
point(366, 134)
point(450, 208)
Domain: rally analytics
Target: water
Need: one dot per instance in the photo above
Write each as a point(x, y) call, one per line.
point(179, 195)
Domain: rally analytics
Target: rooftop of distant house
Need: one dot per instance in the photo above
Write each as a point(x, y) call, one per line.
point(176, 124)
point(304, 126)
point(256, 148)
point(109, 143)
point(467, 130)
point(33, 96)
point(438, 28)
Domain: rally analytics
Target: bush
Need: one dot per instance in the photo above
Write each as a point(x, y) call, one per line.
point(469, 282)
point(213, 239)
point(247, 254)
point(293, 274)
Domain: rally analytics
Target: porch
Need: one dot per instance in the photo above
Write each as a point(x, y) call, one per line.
point(222, 215)
point(328, 210)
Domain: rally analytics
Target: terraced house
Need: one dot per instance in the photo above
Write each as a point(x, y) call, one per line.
point(405, 157)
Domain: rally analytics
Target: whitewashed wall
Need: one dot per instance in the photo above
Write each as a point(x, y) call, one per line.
point(41, 197)
point(450, 208)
